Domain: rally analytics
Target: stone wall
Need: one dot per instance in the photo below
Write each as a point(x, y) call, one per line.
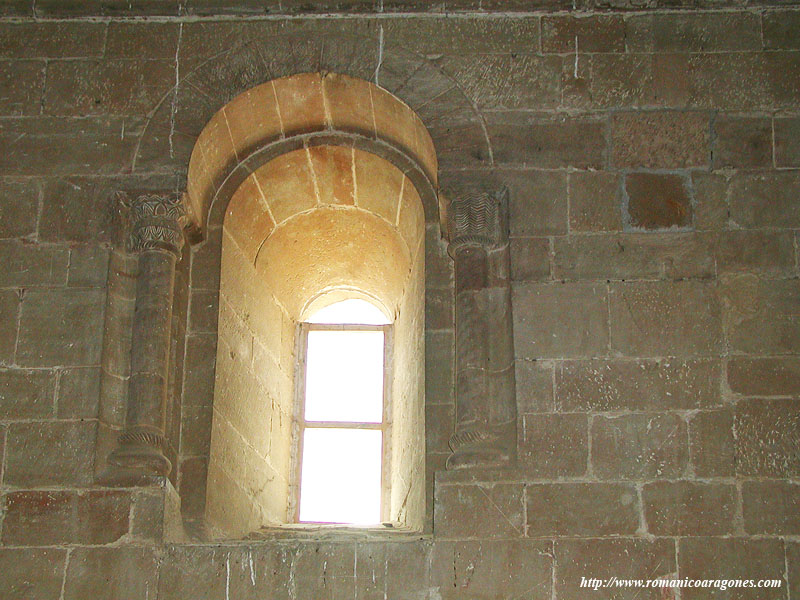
point(654, 230)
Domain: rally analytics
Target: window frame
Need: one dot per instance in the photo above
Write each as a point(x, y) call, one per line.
point(299, 423)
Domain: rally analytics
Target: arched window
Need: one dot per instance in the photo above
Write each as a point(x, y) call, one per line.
point(295, 240)
point(315, 188)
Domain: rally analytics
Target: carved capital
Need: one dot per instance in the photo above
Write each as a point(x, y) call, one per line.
point(157, 221)
point(478, 219)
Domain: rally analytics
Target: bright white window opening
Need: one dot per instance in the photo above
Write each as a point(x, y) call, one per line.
point(343, 423)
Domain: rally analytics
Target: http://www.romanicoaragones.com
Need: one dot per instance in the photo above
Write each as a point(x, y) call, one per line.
point(596, 583)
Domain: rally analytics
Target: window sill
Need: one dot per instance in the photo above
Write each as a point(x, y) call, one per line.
point(303, 531)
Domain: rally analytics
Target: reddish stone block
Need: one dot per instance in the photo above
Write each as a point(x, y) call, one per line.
point(657, 201)
point(65, 517)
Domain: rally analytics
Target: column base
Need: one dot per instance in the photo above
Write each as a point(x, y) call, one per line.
point(481, 447)
point(140, 451)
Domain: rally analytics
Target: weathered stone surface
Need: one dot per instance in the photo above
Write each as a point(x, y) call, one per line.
point(530, 259)
point(78, 209)
point(439, 359)
point(611, 385)
point(27, 573)
point(507, 81)
point(630, 256)
point(501, 569)
point(43, 518)
point(553, 445)
point(595, 33)
point(787, 141)
point(537, 202)
point(703, 32)
point(521, 138)
point(51, 39)
point(534, 386)
point(765, 200)
point(681, 318)
point(639, 446)
point(760, 315)
point(780, 29)
point(500, 504)
point(711, 443)
point(624, 558)
point(26, 264)
point(9, 314)
point(457, 34)
point(61, 327)
point(732, 558)
point(742, 142)
point(394, 570)
point(793, 567)
point(439, 426)
point(439, 309)
point(49, 453)
point(594, 201)
point(141, 41)
point(710, 201)
point(766, 253)
point(67, 146)
point(88, 266)
point(688, 508)
point(767, 438)
point(544, 320)
point(771, 507)
point(19, 208)
point(656, 201)
point(109, 87)
point(26, 394)
point(764, 376)
point(21, 87)
point(113, 573)
point(581, 509)
point(660, 140)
